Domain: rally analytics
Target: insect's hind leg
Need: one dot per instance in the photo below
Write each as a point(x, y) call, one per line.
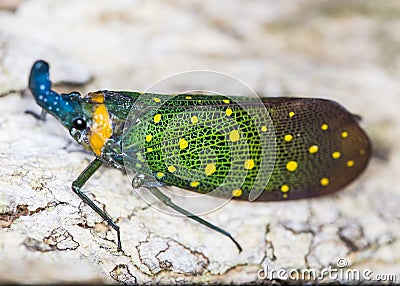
point(139, 180)
point(78, 184)
point(167, 201)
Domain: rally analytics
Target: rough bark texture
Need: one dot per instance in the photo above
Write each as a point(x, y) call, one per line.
point(346, 51)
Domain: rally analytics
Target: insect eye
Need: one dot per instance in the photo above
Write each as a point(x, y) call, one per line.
point(79, 123)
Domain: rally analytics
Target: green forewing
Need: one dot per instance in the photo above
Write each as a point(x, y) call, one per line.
point(280, 148)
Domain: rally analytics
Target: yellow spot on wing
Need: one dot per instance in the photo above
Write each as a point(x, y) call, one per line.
point(263, 128)
point(229, 112)
point(291, 114)
point(156, 99)
point(249, 164)
point(140, 157)
point(324, 127)
point(157, 118)
point(188, 97)
point(234, 136)
point(237, 193)
point(324, 182)
point(350, 163)
point(336, 155)
point(149, 149)
point(210, 169)
point(288, 137)
point(313, 149)
point(183, 143)
point(291, 166)
point(194, 184)
point(160, 175)
point(101, 129)
point(194, 119)
point(226, 100)
point(171, 169)
point(344, 134)
point(285, 188)
point(149, 137)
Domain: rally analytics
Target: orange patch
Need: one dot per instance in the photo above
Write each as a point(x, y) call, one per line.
point(95, 97)
point(101, 129)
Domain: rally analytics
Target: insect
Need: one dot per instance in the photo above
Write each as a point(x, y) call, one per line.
point(267, 149)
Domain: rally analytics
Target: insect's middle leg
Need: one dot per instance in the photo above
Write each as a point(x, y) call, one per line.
point(167, 201)
point(78, 184)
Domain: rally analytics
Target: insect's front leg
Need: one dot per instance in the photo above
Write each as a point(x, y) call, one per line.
point(78, 184)
point(41, 116)
point(168, 202)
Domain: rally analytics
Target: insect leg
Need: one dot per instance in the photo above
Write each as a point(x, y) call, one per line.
point(78, 184)
point(167, 200)
point(41, 116)
point(140, 180)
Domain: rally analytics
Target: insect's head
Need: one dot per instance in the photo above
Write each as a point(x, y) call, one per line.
point(86, 118)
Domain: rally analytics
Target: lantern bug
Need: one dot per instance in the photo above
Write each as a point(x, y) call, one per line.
point(266, 149)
